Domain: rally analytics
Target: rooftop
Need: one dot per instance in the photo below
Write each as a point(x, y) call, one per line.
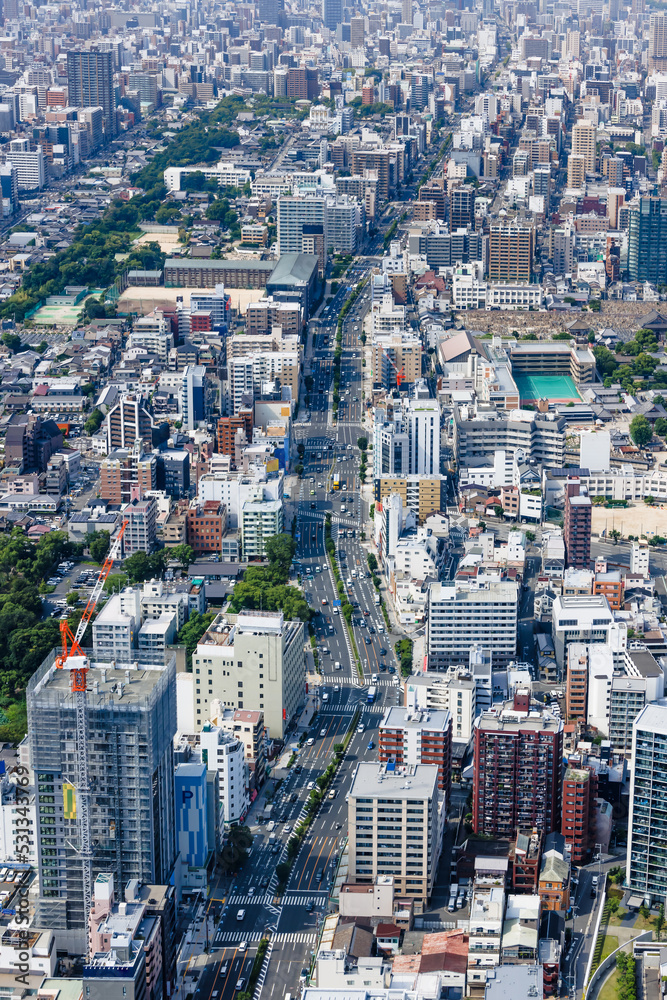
point(380, 780)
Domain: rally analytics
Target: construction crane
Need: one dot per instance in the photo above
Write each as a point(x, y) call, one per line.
point(74, 659)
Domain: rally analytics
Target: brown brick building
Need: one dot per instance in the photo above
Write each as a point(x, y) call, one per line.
point(126, 475)
point(580, 788)
point(205, 527)
point(227, 428)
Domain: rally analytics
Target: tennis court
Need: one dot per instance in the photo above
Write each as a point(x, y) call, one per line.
point(557, 388)
point(63, 312)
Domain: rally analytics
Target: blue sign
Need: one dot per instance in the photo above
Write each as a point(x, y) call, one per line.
point(336, 604)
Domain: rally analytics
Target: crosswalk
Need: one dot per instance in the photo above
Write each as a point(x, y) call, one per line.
point(235, 937)
point(303, 900)
point(366, 708)
point(263, 900)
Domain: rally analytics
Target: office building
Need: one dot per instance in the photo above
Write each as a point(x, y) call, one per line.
point(131, 711)
point(639, 558)
point(257, 663)
point(511, 251)
point(647, 240)
point(205, 527)
point(459, 617)
point(406, 12)
point(395, 824)
point(271, 11)
point(90, 85)
point(517, 770)
point(128, 422)
point(357, 30)
point(577, 529)
point(247, 726)
point(173, 472)
point(117, 625)
point(424, 495)
point(462, 208)
point(9, 189)
point(588, 619)
point(191, 833)
point(580, 788)
point(193, 409)
point(409, 737)
point(584, 140)
point(418, 92)
point(408, 442)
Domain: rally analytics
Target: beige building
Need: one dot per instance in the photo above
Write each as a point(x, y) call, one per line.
point(421, 494)
point(511, 251)
point(395, 827)
point(397, 351)
point(576, 171)
point(255, 664)
point(583, 142)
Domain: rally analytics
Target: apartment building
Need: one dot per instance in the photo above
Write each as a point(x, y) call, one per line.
point(587, 619)
point(128, 422)
point(125, 474)
point(646, 871)
point(577, 527)
point(395, 824)
point(487, 910)
point(511, 250)
point(407, 443)
point(459, 618)
point(410, 737)
point(580, 788)
point(257, 663)
point(454, 692)
point(205, 527)
point(424, 495)
point(584, 140)
point(265, 314)
point(223, 752)
point(141, 531)
point(517, 771)
point(117, 625)
point(576, 704)
point(394, 353)
point(260, 520)
point(247, 726)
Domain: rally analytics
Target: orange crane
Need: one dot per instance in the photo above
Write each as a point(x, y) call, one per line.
point(400, 372)
point(73, 657)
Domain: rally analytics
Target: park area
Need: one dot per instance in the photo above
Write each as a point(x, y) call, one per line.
point(555, 388)
point(62, 310)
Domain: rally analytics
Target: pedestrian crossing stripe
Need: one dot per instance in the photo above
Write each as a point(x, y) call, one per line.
point(295, 937)
point(251, 898)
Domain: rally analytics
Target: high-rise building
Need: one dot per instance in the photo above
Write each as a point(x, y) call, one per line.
point(418, 92)
point(409, 737)
point(30, 164)
point(193, 396)
point(395, 824)
point(260, 520)
point(256, 664)
point(141, 531)
point(131, 712)
point(409, 442)
point(646, 871)
point(332, 13)
point(271, 11)
point(563, 249)
point(657, 42)
point(577, 529)
point(459, 617)
point(576, 171)
point(517, 770)
point(126, 473)
point(90, 84)
point(647, 241)
point(406, 12)
point(576, 707)
point(462, 208)
point(357, 33)
point(129, 421)
point(580, 787)
point(9, 189)
point(583, 142)
point(511, 251)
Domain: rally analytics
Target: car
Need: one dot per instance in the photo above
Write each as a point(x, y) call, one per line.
point(383, 651)
point(336, 687)
point(332, 793)
point(312, 493)
point(287, 830)
point(293, 797)
point(360, 727)
point(323, 732)
point(310, 786)
point(320, 875)
point(392, 670)
point(240, 986)
point(371, 745)
point(367, 613)
point(240, 915)
point(224, 968)
point(311, 906)
point(264, 883)
point(367, 640)
point(310, 742)
point(251, 890)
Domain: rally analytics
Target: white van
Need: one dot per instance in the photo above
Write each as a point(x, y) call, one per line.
point(337, 665)
point(374, 678)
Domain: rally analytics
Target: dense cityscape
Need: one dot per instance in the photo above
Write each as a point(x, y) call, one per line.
point(333, 500)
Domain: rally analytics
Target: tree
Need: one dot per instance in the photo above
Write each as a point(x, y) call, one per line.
point(644, 911)
point(372, 562)
point(94, 422)
point(12, 341)
point(498, 510)
point(192, 631)
point(115, 582)
point(280, 550)
point(97, 543)
point(640, 430)
point(362, 443)
point(660, 427)
point(660, 920)
point(184, 554)
point(614, 904)
point(72, 598)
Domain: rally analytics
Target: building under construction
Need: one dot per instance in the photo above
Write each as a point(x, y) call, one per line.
point(130, 726)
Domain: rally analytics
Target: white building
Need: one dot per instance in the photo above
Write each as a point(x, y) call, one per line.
point(30, 164)
point(260, 520)
point(459, 618)
point(512, 296)
point(235, 488)
point(639, 558)
point(395, 824)
point(225, 754)
point(225, 173)
point(117, 625)
point(454, 691)
point(585, 618)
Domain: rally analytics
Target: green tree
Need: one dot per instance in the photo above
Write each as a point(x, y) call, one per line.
point(605, 360)
point(72, 598)
point(97, 543)
point(12, 341)
point(94, 422)
point(660, 427)
point(115, 582)
point(372, 562)
point(362, 443)
point(280, 550)
point(192, 631)
point(640, 430)
point(659, 920)
point(184, 554)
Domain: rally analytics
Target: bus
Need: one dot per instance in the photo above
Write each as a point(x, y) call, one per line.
point(336, 482)
point(370, 697)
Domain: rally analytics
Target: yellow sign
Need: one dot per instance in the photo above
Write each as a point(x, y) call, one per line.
point(69, 801)
point(273, 465)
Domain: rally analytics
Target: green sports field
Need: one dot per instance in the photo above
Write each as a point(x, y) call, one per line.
point(557, 388)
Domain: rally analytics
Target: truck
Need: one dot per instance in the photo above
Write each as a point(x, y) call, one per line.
point(370, 696)
point(336, 482)
point(377, 598)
